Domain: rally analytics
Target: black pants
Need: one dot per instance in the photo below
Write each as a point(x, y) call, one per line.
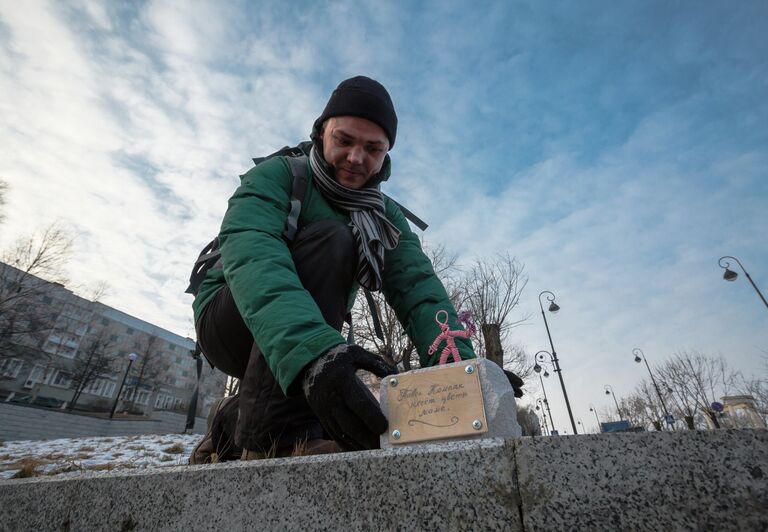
point(325, 257)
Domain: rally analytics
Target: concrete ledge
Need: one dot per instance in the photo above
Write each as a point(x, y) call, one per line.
point(689, 480)
point(366, 490)
point(713, 480)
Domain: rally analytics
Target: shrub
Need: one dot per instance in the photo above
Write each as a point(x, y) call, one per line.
point(176, 448)
point(29, 468)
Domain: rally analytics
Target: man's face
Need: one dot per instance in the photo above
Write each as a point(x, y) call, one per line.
point(355, 148)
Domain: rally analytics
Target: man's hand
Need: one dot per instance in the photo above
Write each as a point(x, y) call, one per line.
point(516, 382)
point(343, 404)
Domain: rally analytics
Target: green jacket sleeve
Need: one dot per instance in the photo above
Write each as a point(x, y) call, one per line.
point(414, 291)
point(284, 320)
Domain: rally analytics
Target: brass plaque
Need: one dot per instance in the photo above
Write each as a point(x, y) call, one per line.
point(440, 403)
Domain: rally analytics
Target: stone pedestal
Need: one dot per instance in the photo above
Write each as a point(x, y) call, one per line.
point(498, 397)
point(650, 481)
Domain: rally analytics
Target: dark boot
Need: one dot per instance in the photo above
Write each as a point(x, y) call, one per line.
point(268, 420)
point(205, 452)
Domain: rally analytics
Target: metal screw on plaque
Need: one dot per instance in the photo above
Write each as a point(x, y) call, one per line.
point(396, 434)
point(477, 424)
point(393, 381)
point(469, 369)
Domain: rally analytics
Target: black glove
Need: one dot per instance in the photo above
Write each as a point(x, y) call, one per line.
point(345, 407)
point(516, 382)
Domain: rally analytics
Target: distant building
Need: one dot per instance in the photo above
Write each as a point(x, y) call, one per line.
point(740, 411)
point(54, 343)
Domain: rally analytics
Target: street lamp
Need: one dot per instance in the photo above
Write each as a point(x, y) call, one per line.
point(539, 406)
point(593, 409)
point(609, 391)
point(639, 355)
point(731, 275)
point(537, 368)
point(581, 425)
point(131, 358)
point(553, 308)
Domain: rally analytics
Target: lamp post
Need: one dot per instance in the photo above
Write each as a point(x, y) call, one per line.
point(609, 391)
point(731, 275)
point(131, 358)
point(581, 425)
point(546, 401)
point(540, 406)
point(639, 355)
point(593, 409)
point(553, 308)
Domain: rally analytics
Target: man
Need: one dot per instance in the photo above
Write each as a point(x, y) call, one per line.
point(272, 314)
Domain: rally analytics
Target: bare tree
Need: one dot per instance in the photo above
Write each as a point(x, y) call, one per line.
point(96, 361)
point(94, 292)
point(757, 388)
point(3, 192)
point(147, 368)
point(695, 381)
point(395, 346)
point(492, 289)
point(445, 264)
point(642, 407)
point(26, 315)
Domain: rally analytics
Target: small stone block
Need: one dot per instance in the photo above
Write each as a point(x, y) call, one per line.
point(498, 398)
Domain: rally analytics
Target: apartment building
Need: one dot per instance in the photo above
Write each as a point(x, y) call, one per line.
point(59, 349)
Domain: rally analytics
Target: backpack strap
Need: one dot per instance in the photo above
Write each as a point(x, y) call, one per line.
point(300, 174)
point(210, 256)
point(418, 222)
point(374, 315)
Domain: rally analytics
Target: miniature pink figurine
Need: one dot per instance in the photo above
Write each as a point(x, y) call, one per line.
point(448, 335)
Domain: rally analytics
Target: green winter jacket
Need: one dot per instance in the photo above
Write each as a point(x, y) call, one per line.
point(283, 318)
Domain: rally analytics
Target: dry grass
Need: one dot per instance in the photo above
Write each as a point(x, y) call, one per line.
point(108, 466)
point(53, 456)
point(299, 448)
point(86, 449)
point(166, 458)
point(176, 448)
point(30, 467)
point(66, 468)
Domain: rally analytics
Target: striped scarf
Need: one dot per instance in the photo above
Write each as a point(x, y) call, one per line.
point(373, 232)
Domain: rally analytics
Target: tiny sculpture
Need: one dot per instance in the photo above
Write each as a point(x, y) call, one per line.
point(448, 335)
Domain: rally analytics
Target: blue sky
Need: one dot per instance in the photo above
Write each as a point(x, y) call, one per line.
point(617, 149)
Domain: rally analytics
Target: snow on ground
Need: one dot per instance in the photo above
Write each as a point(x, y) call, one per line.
point(72, 456)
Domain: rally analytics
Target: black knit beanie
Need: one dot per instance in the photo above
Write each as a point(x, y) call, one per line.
point(363, 97)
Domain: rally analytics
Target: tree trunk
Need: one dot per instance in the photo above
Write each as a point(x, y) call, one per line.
point(407, 358)
point(493, 350)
